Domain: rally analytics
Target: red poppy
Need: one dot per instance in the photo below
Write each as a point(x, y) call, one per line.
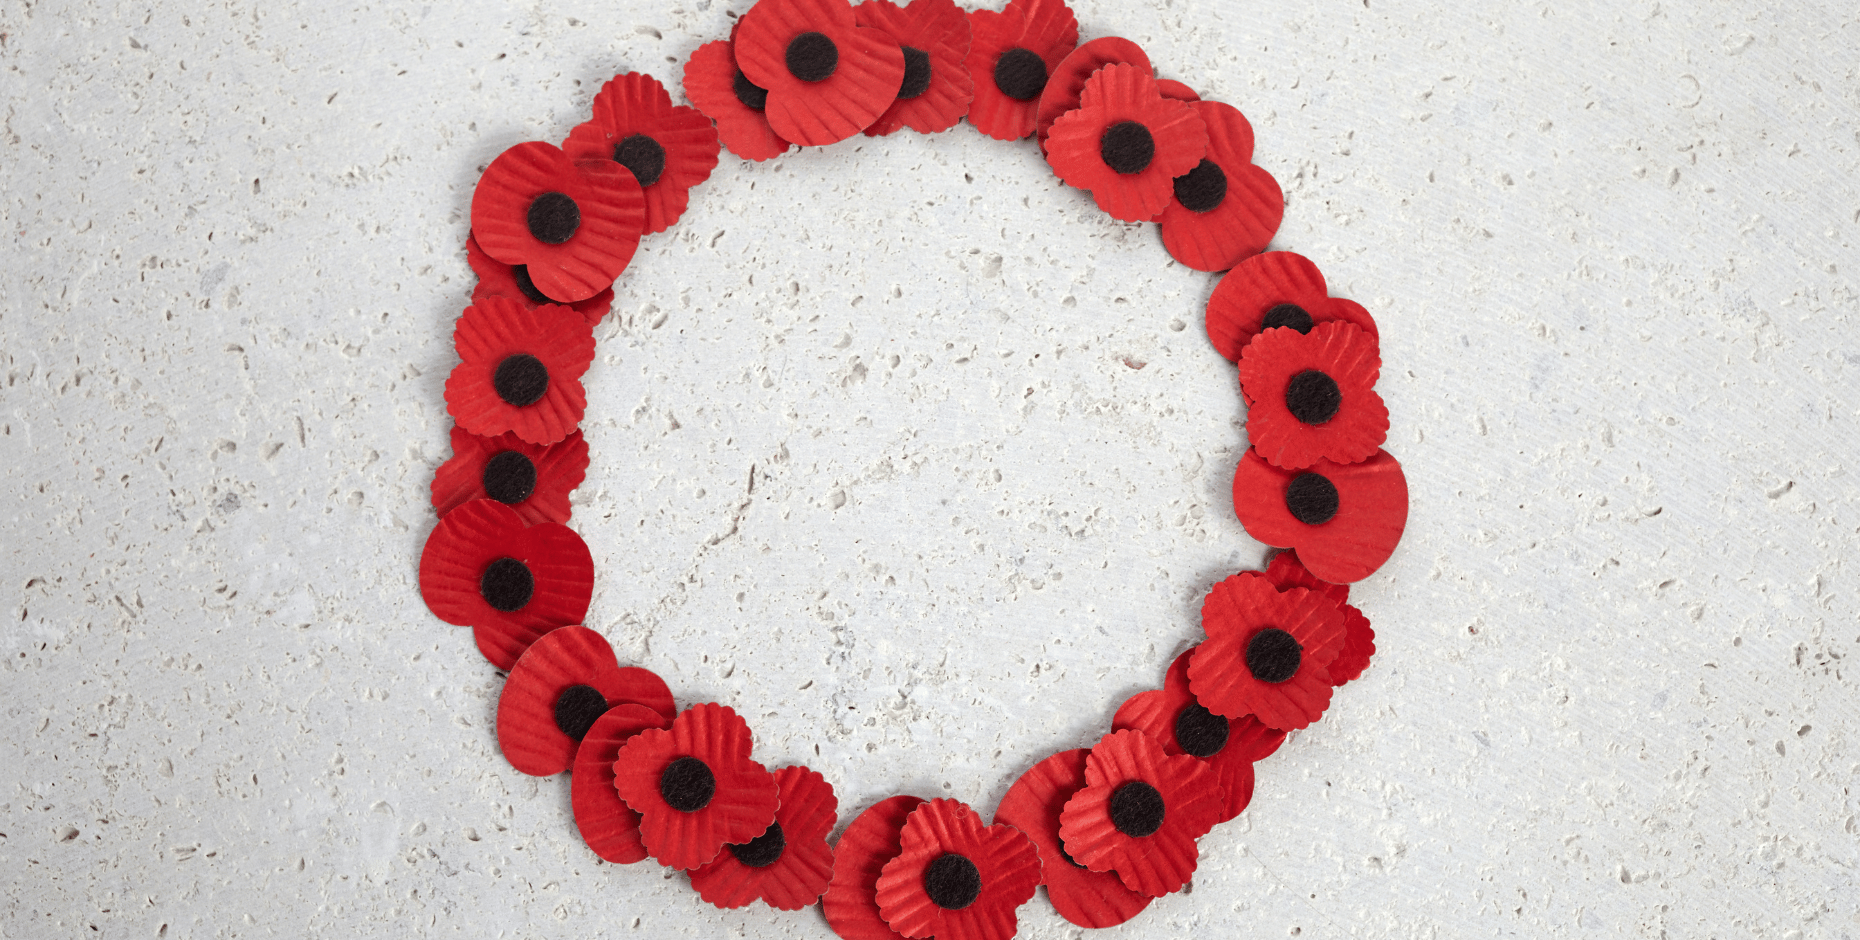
point(719, 89)
point(1140, 813)
point(573, 226)
point(1267, 652)
point(1286, 571)
point(497, 279)
point(534, 480)
point(1344, 519)
point(1176, 91)
point(483, 569)
point(1032, 805)
point(519, 370)
point(1178, 722)
point(1010, 58)
point(1067, 82)
point(936, 88)
point(1274, 289)
point(789, 864)
point(607, 824)
point(851, 904)
point(561, 684)
point(1126, 143)
point(695, 787)
point(828, 78)
point(1225, 209)
point(1312, 396)
point(667, 149)
point(1359, 639)
point(955, 878)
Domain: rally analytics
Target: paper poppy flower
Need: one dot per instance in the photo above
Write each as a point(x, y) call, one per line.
point(532, 479)
point(719, 89)
point(667, 149)
point(1067, 82)
point(828, 78)
point(1032, 805)
point(482, 568)
point(574, 227)
point(497, 279)
point(694, 786)
point(1312, 396)
point(871, 840)
point(1271, 290)
point(519, 370)
point(1140, 813)
point(1126, 143)
point(1267, 652)
point(559, 686)
point(789, 864)
point(1344, 519)
point(1359, 639)
point(1174, 719)
point(1011, 56)
point(1226, 209)
point(607, 824)
point(936, 89)
point(955, 878)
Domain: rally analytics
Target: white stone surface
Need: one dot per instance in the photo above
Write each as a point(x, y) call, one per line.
point(1611, 247)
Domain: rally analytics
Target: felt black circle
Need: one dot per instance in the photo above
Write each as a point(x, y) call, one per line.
point(1137, 809)
point(1020, 74)
point(1127, 147)
point(577, 708)
point(753, 96)
point(1199, 732)
point(687, 785)
point(521, 379)
point(763, 850)
point(1203, 188)
point(1273, 655)
point(553, 218)
point(1287, 315)
point(1311, 498)
point(506, 584)
point(521, 274)
point(1313, 397)
point(952, 882)
point(812, 57)
point(509, 477)
point(643, 156)
point(916, 73)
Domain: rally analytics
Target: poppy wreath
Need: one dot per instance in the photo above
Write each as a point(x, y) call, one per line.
point(1106, 829)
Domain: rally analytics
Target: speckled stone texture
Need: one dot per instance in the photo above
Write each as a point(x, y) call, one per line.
point(910, 454)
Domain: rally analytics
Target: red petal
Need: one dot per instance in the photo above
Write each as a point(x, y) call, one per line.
point(557, 661)
point(1262, 282)
point(710, 83)
point(635, 103)
point(1046, 28)
point(608, 825)
point(496, 328)
point(1006, 860)
point(1082, 896)
point(1372, 511)
point(813, 114)
point(851, 904)
point(497, 279)
point(613, 213)
point(1286, 571)
point(1067, 82)
point(1163, 861)
point(1176, 91)
point(559, 467)
point(744, 802)
point(1359, 644)
point(1115, 94)
point(1353, 361)
point(807, 813)
point(482, 531)
point(940, 29)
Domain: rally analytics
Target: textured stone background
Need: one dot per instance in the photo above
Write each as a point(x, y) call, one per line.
point(1611, 247)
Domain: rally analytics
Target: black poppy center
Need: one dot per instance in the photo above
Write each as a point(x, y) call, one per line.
point(509, 477)
point(1202, 188)
point(952, 882)
point(687, 785)
point(1313, 397)
point(812, 57)
point(1020, 74)
point(916, 73)
point(577, 708)
point(1137, 809)
point(554, 218)
point(1199, 732)
point(521, 379)
point(753, 96)
point(1273, 655)
point(1311, 498)
point(1288, 315)
point(507, 584)
point(1127, 147)
point(642, 155)
point(763, 850)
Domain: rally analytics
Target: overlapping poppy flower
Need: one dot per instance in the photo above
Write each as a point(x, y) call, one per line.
point(955, 878)
point(1344, 519)
point(667, 149)
point(484, 569)
point(1173, 718)
point(1067, 82)
point(1359, 638)
point(1267, 652)
point(1011, 56)
point(1126, 143)
point(519, 370)
point(936, 88)
point(871, 840)
point(1140, 813)
point(559, 687)
point(1226, 209)
point(533, 479)
point(694, 786)
point(573, 226)
point(739, 106)
point(1033, 805)
point(1286, 571)
point(1272, 290)
point(789, 864)
point(607, 824)
point(497, 279)
point(1312, 396)
point(827, 77)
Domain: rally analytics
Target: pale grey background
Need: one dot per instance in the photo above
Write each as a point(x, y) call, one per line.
point(1611, 247)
